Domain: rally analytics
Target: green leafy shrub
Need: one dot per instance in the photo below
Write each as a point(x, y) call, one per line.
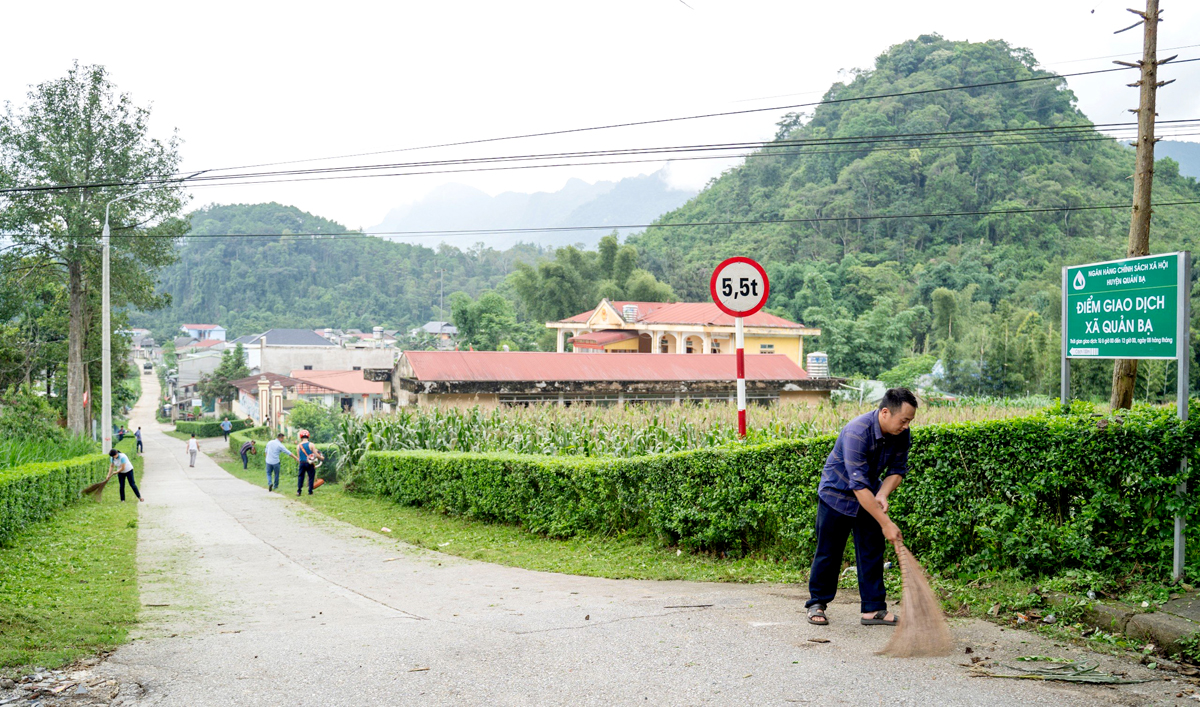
point(33, 492)
point(1040, 494)
point(207, 428)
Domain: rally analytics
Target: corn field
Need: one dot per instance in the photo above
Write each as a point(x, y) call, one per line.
point(609, 431)
point(17, 451)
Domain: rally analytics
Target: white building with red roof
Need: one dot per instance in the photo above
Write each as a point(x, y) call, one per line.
point(677, 327)
point(493, 378)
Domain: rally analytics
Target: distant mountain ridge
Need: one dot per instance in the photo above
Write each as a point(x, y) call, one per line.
point(1187, 154)
point(633, 200)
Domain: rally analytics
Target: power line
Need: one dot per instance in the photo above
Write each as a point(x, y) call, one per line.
point(611, 126)
point(659, 121)
point(689, 224)
point(773, 148)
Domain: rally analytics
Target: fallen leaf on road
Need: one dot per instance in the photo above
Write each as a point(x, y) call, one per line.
point(391, 559)
point(418, 670)
point(818, 640)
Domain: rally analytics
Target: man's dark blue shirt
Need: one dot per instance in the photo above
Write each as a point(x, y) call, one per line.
point(862, 456)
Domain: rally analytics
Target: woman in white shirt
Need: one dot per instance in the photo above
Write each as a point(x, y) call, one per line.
point(123, 468)
point(193, 449)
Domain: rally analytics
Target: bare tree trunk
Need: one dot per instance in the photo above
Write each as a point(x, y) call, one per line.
point(76, 416)
point(1125, 370)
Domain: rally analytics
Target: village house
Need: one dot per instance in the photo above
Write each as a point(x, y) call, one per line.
point(200, 332)
point(680, 327)
point(282, 351)
point(493, 378)
point(443, 333)
point(344, 390)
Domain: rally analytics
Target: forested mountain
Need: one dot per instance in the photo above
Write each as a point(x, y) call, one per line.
point(979, 291)
point(250, 282)
point(1187, 154)
point(633, 200)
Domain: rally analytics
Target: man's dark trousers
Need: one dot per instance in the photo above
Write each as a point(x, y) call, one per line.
point(833, 529)
point(310, 471)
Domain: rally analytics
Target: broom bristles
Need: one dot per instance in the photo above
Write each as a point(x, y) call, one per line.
point(95, 490)
point(922, 630)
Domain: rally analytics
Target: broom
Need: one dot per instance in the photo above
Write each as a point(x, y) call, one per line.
point(922, 631)
point(97, 490)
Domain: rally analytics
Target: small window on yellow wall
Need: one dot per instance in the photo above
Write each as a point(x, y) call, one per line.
point(766, 348)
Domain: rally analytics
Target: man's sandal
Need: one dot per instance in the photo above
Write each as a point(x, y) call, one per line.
point(879, 618)
point(815, 612)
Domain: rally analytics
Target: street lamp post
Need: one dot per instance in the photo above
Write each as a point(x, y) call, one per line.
point(106, 342)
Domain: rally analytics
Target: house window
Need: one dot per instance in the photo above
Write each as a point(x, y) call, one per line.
point(688, 348)
point(377, 404)
point(662, 345)
point(357, 368)
point(716, 347)
point(766, 348)
point(308, 368)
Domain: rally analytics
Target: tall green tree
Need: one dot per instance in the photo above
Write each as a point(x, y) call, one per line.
point(231, 368)
point(484, 323)
point(85, 144)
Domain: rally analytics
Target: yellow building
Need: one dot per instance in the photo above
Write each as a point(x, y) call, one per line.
point(680, 327)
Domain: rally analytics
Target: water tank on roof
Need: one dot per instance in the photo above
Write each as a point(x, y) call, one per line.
point(378, 331)
point(818, 364)
point(630, 312)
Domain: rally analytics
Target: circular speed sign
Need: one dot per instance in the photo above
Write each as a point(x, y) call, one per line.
point(739, 287)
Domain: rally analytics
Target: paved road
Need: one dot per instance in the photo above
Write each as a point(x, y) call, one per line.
point(254, 599)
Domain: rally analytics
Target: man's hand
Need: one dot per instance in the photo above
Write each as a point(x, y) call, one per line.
point(882, 502)
point(892, 532)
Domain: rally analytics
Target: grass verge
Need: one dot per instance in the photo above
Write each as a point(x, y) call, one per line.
point(616, 557)
point(68, 585)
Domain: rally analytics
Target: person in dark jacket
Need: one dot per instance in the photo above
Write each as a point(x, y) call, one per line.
point(868, 462)
point(307, 452)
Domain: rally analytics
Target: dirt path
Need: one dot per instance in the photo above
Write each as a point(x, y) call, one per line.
point(254, 599)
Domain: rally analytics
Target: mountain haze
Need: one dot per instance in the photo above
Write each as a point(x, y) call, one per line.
point(633, 200)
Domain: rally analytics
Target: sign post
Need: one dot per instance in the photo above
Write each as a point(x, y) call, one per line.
point(739, 287)
point(1131, 308)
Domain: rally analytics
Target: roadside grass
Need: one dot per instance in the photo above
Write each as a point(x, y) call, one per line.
point(68, 585)
point(612, 557)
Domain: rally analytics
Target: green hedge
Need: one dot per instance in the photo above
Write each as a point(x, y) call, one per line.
point(289, 468)
point(206, 428)
point(34, 492)
point(1041, 493)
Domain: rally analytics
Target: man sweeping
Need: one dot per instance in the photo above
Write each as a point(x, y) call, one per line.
point(867, 463)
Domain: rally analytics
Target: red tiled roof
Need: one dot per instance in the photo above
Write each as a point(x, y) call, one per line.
point(603, 338)
point(693, 313)
point(201, 326)
point(350, 382)
point(707, 313)
point(537, 366)
point(643, 309)
point(204, 344)
point(250, 385)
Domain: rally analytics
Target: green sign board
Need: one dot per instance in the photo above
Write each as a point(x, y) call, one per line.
point(1124, 308)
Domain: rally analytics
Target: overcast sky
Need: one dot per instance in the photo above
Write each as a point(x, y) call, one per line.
point(251, 82)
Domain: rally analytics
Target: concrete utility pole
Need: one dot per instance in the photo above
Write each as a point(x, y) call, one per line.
point(1125, 370)
point(106, 332)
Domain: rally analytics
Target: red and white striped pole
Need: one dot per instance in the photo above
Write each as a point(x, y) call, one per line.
point(739, 287)
point(740, 342)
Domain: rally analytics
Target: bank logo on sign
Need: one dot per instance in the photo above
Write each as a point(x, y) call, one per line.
point(1078, 282)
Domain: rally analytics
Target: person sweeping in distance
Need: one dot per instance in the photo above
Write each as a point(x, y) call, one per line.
point(123, 468)
point(867, 463)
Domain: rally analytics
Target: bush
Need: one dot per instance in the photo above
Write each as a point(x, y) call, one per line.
point(289, 468)
point(206, 428)
point(34, 492)
point(1040, 494)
